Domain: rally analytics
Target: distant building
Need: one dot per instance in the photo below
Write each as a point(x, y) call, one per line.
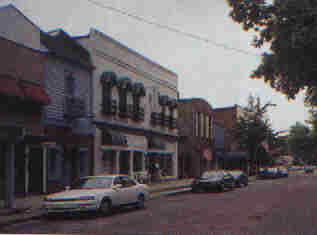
point(196, 147)
point(231, 156)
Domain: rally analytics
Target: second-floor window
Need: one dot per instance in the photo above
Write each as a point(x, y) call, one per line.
point(70, 85)
point(201, 123)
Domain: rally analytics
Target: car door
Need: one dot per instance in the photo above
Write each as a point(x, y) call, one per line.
point(117, 194)
point(129, 190)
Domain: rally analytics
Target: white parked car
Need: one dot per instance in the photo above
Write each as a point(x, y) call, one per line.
point(98, 193)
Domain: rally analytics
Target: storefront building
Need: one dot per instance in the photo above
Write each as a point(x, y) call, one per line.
point(22, 100)
point(134, 108)
point(196, 146)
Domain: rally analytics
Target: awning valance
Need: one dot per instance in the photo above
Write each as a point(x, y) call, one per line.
point(109, 77)
point(9, 87)
point(138, 89)
point(35, 93)
point(172, 103)
point(163, 100)
point(113, 138)
point(125, 83)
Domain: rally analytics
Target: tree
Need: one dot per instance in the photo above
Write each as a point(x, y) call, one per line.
point(290, 28)
point(253, 127)
point(301, 142)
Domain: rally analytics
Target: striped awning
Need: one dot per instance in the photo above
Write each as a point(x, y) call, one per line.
point(109, 77)
point(125, 83)
point(138, 89)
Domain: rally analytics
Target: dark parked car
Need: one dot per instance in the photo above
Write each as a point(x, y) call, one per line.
point(209, 180)
point(240, 178)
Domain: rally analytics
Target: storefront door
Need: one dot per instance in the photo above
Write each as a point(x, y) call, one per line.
point(19, 170)
point(124, 162)
point(36, 170)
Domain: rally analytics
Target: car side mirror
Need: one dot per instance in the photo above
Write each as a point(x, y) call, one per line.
point(67, 188)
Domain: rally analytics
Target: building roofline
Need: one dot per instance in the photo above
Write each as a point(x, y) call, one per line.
point(227, 107)
point(21, 13)
point(183, 100)
point(24, 46)
point(129, 49)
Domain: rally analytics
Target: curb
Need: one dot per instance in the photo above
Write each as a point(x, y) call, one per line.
point(170, 188)
point(167, 193)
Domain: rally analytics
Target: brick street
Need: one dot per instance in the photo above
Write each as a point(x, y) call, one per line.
point(281, 206)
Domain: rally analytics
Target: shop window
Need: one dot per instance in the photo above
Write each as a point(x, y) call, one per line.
point(123, 101)
point(52, 162)
point(137, 161)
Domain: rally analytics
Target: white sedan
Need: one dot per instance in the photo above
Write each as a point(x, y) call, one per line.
point(98, 193)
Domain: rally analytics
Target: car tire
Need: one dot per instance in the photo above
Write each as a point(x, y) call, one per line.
point(105, 207)
point(141, 202)
point(221, 188)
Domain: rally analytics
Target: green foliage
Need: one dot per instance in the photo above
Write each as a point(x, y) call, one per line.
point(290, 27)
point(253, 127)
point(301, 142)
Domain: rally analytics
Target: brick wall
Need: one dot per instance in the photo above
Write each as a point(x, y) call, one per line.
point(193, 146)
point(21, 62)
point(227, 117)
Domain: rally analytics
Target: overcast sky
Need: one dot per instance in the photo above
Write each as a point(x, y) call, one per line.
point(218, 75)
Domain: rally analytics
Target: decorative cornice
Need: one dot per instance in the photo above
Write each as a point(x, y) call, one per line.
point(132, 128)
point(133, 69)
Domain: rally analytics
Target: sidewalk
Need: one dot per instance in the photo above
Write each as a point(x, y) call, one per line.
point(29, 208)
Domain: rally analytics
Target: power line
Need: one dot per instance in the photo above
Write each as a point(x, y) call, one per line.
point(190, 35)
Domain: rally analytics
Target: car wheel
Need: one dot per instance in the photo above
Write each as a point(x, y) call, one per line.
point(196, 189)
point(141, 202)
point(105, 207)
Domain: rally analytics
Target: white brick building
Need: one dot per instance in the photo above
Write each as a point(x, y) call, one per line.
point(134, 104)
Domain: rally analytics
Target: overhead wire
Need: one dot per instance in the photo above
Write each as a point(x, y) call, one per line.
point(172, 29)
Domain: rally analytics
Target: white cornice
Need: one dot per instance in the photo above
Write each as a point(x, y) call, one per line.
point(133, 69)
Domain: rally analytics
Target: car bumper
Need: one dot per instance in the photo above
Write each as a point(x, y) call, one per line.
point(69, 207)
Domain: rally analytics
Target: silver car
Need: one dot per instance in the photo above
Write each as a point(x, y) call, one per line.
point(98, 193)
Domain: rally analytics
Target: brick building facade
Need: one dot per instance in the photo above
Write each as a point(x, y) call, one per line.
point(196, 147)
point(22, 100)
point(232, 157)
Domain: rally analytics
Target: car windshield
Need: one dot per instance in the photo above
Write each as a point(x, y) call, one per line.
point(90, 183)
point(210, 175)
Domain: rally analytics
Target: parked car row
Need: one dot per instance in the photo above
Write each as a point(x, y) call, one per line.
point(273, 172)
point(219, 180)
point(98, 193)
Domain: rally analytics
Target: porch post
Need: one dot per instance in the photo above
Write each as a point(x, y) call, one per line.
point(131, 162)
point(44, 169)
point(10, 177)
point(143, 162)
point(117, 165)
point(27, 173)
